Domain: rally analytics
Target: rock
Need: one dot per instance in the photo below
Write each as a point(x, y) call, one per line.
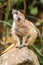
point(16, 56)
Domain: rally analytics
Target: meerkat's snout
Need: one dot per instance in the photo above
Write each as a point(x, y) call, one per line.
point(14, 11)
point(15, 15)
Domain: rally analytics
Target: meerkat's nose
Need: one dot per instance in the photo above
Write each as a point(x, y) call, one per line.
point(14, 11)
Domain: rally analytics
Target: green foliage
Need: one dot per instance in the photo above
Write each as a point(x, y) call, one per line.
point(7, 23)
point(34, 11)
point(17, 2)
point(41, 1)
point(0, 3)
point(0, 0)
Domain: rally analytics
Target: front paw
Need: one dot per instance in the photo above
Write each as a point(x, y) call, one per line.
point(18, 46)
point(23, 45)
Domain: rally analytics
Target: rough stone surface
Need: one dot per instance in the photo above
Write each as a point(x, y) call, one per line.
point(15, 56)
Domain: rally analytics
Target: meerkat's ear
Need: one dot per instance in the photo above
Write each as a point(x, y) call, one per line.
point(22, 11)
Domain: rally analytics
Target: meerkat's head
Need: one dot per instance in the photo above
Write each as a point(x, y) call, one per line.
point(17, 15)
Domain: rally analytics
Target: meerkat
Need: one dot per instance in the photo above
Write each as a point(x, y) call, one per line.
point(23, 31)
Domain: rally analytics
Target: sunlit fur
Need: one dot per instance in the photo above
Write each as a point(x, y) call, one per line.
point(23, 28)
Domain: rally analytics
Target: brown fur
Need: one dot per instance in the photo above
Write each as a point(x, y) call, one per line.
point(24, 28)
